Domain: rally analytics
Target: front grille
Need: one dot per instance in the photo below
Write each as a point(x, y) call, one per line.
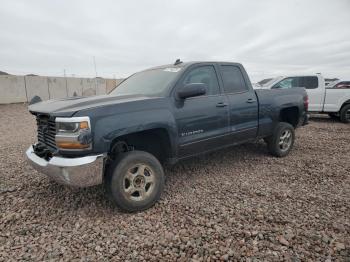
point(46, 131)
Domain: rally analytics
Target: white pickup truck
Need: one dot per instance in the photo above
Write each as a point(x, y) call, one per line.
point(332, 100)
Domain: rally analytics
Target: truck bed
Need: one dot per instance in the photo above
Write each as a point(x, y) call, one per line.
point(334, 98)
point(273, 101)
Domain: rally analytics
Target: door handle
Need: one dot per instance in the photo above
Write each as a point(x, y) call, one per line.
point(221, 104)
point(251, 100)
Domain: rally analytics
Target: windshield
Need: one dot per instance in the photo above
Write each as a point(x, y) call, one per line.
point(153, 82)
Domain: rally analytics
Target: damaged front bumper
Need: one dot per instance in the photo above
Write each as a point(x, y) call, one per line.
point(79, 172)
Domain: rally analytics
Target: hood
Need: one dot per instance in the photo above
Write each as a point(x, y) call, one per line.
point(69, 106)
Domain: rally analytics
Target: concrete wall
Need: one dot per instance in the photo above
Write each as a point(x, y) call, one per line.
point(95, 86)
point(111, 84)
point(16, 89)
point(12, 89)
point(75, 85)
point(37, 86)
point(57, 87)
point(100, 86)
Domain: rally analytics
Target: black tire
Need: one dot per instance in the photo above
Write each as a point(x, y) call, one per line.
point(333, 115)
point(273, 142)
point(123, 173)
point(345, 114)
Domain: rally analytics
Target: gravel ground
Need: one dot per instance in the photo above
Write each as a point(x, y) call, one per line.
point(236, 204)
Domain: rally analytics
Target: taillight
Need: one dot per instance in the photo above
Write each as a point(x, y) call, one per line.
point(306, 102)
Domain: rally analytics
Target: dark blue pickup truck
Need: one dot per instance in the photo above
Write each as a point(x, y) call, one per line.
point(160, 115)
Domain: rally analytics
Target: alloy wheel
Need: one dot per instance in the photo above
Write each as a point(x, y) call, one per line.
point(285, 140)
point(139, 182)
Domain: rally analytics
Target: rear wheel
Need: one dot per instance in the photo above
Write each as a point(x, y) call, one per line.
point(134, 181)
point(345, 114)
point(282, 140)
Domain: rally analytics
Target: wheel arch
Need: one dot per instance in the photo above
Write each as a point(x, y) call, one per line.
point(290, 115)
point(344, 104)
point(344, 117)
point(156, 141)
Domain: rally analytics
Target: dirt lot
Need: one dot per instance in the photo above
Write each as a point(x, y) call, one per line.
point(237, 204)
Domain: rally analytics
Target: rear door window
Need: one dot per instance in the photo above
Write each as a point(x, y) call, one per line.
point(309, 82)
point(233, 79)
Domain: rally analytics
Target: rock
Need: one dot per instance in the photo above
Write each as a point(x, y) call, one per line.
point(225, 257)
point(326, 239)
point(282, 240)
point(339, 246)
point(231, 253)
point(289, 235)
point(169, 235)
point(7, 189)
point(260, 217)
point(254, 233)
point(112, 250)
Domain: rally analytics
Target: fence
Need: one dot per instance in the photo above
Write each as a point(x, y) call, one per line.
point(16, 89)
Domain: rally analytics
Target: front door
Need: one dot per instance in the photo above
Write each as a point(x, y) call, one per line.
point(203, 120)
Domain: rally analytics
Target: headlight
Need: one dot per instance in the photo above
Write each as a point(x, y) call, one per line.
point(62, 127)
point(73, 133)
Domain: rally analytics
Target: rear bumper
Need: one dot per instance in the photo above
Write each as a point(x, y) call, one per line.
point(79, 172)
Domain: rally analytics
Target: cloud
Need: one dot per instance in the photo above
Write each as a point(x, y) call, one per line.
point(268, 37)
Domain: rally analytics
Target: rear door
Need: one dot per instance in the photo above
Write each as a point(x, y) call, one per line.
point(315, 90)
point(243, 104)
point(203, 120)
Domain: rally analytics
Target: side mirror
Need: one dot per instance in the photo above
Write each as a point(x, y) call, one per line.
point(192, 90)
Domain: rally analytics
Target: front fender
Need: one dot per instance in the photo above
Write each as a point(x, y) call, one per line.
point(113, 126)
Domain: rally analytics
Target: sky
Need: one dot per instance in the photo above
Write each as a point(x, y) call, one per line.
point(269, 37)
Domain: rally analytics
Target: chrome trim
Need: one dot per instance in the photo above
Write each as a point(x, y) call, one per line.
point(68, 137)
point(234, 132)
point(78, 172)
point(73, 119)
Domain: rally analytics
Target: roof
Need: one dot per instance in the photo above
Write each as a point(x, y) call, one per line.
point(186, 64)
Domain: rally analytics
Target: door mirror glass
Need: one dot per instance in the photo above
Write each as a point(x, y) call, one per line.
point(192, 90)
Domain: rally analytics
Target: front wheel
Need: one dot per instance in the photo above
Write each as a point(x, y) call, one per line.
point(282, 140)
point(134, 181)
